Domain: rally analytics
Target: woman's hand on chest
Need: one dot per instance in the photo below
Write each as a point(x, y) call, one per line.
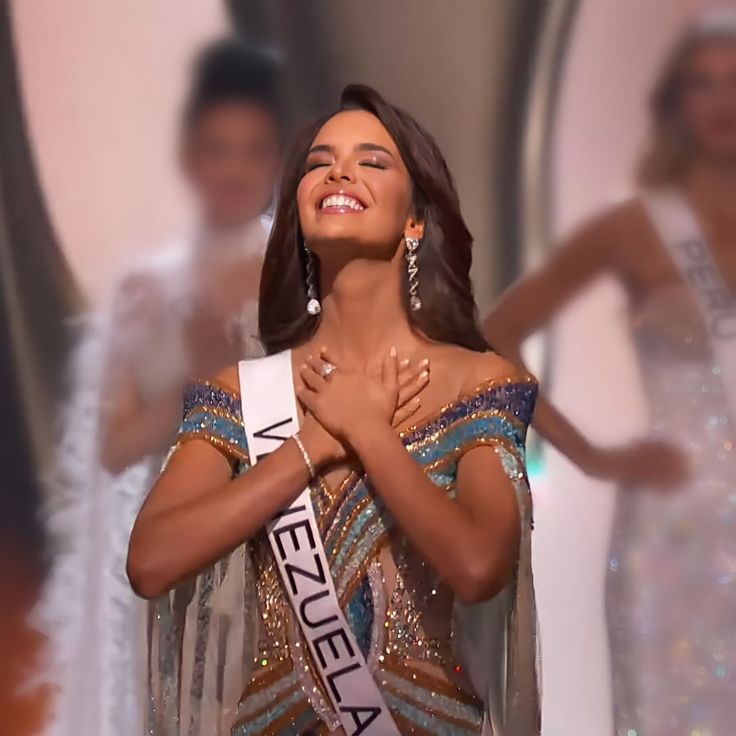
point(344, 399)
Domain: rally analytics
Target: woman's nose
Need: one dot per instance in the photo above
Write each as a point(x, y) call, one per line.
point(340, 171)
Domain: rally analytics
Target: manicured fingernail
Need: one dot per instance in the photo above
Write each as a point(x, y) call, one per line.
point(423, 376)
point(424, 363)
point(393, 352)
point(405, 362)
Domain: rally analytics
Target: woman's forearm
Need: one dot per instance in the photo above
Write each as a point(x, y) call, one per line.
point(443, 532)
point(171, 544)
point(553, 425)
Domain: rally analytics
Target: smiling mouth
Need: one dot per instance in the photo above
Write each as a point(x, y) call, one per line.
point(339, 204)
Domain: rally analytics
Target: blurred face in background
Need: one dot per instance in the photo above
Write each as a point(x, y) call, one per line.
point(708, 99)
point(231, 157)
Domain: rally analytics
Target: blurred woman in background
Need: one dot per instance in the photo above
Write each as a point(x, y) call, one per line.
point(191, 308)
point(671, 592)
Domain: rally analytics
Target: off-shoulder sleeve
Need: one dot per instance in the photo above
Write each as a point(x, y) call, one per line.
point(497, 413)
point(500, 414)
point(498, 637)
point(213, 413)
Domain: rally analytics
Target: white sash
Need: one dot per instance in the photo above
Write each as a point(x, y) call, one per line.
point(270, 417)
point(680, 231)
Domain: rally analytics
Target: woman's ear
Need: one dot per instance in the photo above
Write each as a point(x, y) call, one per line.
point(414, 228)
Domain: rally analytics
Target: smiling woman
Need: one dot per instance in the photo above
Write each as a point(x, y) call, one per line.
point(358, 534)
point(384, 165)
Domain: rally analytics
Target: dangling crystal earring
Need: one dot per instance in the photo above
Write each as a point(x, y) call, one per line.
point(412, 245)
point(313, 305)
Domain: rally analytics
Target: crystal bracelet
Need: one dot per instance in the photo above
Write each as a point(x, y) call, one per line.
point(307, 460)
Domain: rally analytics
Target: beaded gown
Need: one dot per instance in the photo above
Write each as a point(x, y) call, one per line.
point(227, 655)
point(671, 588)
point(94, 624)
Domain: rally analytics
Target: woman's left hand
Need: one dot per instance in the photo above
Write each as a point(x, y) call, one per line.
point(345, 399)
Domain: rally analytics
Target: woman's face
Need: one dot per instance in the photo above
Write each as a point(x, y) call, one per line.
point(231, 157)
point(355, 194)
point(709, 98)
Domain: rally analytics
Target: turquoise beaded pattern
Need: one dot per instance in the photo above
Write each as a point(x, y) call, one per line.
point(214, 413)
point(497, 414)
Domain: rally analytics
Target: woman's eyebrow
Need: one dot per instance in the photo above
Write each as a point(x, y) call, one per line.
point(321, 149)
point(325, 148)
point(373, 147)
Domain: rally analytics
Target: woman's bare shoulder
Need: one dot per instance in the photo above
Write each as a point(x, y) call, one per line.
point(619, 220)
point(229, 378)
point(599, 242)
point(472, 368)
point(488, 366)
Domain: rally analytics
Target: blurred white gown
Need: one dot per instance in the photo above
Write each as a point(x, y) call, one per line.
point(671, 589)
point(94, 622)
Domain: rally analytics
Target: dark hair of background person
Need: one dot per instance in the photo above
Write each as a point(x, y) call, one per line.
point(232, 70)
point(448, 312)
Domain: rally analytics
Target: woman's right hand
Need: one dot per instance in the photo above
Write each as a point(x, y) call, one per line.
point(646, 464)
point(324, 449)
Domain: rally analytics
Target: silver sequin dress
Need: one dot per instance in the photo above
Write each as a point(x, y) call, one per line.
point(671, 588)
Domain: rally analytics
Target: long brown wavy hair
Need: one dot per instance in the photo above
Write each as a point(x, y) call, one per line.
point(448, 312)
point(669, 150)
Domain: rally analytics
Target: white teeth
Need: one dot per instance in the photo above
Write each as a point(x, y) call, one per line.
point(341, 200)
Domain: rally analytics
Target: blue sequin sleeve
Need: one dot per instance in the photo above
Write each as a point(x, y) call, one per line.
point(212, 413)
point(499, 417)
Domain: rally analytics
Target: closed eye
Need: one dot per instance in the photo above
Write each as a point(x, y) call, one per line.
point(373, 164)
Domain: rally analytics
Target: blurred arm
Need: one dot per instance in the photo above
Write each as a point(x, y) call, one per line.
point(531, 303)
point(131, 429)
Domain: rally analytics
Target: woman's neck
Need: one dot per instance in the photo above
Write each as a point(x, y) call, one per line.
point(711, 183)
point(229, 229)
point(220, 241)
point(363, 314)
